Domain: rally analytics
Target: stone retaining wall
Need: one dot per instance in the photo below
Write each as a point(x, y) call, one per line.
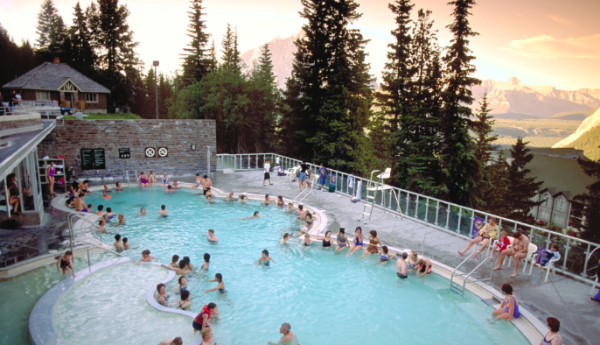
point(137, 135)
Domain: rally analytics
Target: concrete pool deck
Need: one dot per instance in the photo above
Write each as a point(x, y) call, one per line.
point(561, 297)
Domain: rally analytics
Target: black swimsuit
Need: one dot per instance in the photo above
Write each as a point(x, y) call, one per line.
point(326, 243)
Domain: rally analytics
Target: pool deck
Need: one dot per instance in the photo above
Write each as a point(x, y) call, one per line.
point(561, 297)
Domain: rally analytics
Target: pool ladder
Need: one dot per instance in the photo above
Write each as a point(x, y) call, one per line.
point(460, 289)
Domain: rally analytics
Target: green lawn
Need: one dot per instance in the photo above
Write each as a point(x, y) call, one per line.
point(126, 116)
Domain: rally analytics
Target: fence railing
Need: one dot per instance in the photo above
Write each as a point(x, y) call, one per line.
point(458, 220)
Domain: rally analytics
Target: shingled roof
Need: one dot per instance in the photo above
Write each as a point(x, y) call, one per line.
point(51, 76)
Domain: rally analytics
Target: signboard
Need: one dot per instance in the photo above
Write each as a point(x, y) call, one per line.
point(150, 152)
point(163, 152)
point(124, 153)
point(478, 223)
point(93, 159)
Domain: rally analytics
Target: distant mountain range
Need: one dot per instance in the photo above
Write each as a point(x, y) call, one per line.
point(511, 99)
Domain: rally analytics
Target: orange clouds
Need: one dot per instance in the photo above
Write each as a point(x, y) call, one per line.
point(548, 47)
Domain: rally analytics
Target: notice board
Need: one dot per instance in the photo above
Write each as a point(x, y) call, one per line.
point(93, 159)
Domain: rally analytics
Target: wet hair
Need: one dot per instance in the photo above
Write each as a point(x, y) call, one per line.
point(373, 233)
point(306, 235)
point(300, 207)
point(554, 246)
point(553, 323)
point(308, 215)
point(517, 234)
point(68, 252)
point(358, 228)
point(146, 251)
point(286, 326)
point(211, 231)
point(81, 194)
point(206, 257)
point(101, 222)
point(100, 207)
point(185, 294)
point(182, 264)
point(86, 181)
point(169, 187)
point(90, 205)
point(175, 258)
point(266, 252)
point(125, 239)
point(177, 341)
point(219, 277)
point(384, 249)
point(290, 204)
point(117, 184)
point(205, 176)
point(507, 289)
point(162, 207)
point(117, 237)
point(286, 235)
point(121, 215)
point(211, 305)
point(405, 255)
point(198, 174)
point(108, 209)
point(342, 230)
point(255, 213)
point(161, 285)
point(280, 197)
point(327, 232)
point(420, 262)
point(266, 196)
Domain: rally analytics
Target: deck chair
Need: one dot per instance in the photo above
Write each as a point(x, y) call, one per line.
point(549, 266)
point(530, 251)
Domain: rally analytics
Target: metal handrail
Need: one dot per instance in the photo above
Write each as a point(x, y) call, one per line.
point(436, 205)
point(468, 275)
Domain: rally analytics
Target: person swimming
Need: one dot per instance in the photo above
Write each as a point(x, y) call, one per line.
point(164, 213)
point(264, 259)
point(146, 256)
point(211, 236)
point(220, 286)
point(255, 215)
point(206, 262)
point(118, 245)
point(142, 212)
point(121, 219)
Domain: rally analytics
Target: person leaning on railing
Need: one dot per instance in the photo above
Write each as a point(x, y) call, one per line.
point(489, 231)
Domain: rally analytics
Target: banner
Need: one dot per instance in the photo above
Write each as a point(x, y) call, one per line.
point(478, 223)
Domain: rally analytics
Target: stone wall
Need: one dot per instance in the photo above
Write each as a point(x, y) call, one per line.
point(137, 135)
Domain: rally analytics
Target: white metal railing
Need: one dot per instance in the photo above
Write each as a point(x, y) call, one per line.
point(443, 215)
point(44, 108)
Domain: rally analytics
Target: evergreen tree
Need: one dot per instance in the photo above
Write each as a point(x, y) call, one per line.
point(497, 200)
point(591, 202)
point(149, 85)
point(196, 65)
point(212, 58)
point(83, 57)
point(46, 18)
point(458, 162)
point(60, 45)
point(522, 189)
point(15, 60)
point(231, 55)
point(483, 128)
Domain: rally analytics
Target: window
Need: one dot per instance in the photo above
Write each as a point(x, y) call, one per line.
point(561, 204)
point(42, 96)
point(558, 220)
point(547, 200)
point(91, 97)
point(544, 215)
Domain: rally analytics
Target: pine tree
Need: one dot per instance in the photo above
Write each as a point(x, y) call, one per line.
point(497, 200)
point(522, 189)
point(482, 129)
point(213, 64)
point(458, 162)
point(165, 93)
point(46, 18)
point(83, 57)
point(231, 55)
point(195, 64)
point(59, 45)
point(591, 202)
point(149, 86)
point(15, 60)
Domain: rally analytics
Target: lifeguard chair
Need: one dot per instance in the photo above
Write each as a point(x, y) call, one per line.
point(376, 186)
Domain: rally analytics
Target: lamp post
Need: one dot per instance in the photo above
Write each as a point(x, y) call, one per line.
point(155, 63)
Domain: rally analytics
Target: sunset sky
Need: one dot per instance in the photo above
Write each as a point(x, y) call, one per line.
point(542, 42)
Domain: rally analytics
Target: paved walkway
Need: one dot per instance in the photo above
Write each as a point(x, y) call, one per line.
point(561, 297)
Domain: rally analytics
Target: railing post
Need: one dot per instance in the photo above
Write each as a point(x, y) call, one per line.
point(448, 217)
point(417, 208)
point(567, 247)
point(587, 256)
point(459, 220)
point(437, 212)
point(407, 203)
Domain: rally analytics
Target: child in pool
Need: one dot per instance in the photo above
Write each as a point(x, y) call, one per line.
point(105, 194)
point(66, 263)
point(211, 236)
point(146, 256)
point(220, 287)
point(125, 243)
point(142, 212)
point(118, 245)
point(290, 208)
point(121, 219)
point(285, 238)
point(306, 241)
point(385, 256)
point(264, 259)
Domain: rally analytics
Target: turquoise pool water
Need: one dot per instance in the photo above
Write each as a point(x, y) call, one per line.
point(327, 298)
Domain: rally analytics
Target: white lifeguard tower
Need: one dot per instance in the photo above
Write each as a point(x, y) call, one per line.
point(378, 186)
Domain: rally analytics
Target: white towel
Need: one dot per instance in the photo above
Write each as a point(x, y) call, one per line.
point(351, 181)
point(277, 160)
point(358, 186)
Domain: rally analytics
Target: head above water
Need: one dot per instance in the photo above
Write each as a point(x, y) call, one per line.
point(182, 280)
point(211, 231)
point(219, 277)
point(255, 213)
point(185, 294)
point(286, 235)
point(206, 257)
point(384, 249)
point(108, 209)
point(404, 255)
point(175, 258)
point(265, 252)
point(182, 264)
point(286, 327)
point(211, 305)
point(100, 207)
point(125, 239)
point(160, 287)
point(117, 237)
point(300, 207)
point(162, 207)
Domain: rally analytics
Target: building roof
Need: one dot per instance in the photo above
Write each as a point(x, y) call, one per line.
point(559, 175)
point(51, 76)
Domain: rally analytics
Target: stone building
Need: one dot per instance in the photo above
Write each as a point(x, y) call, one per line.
point(60, 82)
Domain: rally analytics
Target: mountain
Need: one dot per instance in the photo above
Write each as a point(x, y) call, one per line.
point(578, 115)
point(586, 137)
point(282, 50)
point(514, 96)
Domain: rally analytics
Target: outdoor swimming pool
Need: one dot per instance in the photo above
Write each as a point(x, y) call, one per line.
point(327, 298)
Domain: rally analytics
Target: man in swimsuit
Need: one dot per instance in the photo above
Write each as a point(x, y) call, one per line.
point(79, 203)
point(197, 183)
point(289, 338)
point(521, 247)
point(401, 266)
point(163, 211)
point(118, 245)
point(100, 211)
point(206, 184)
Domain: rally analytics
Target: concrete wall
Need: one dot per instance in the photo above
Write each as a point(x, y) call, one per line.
point(177, 135)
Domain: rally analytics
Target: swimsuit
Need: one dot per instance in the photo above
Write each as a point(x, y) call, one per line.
point(84, 210)
point(341, 242)
point(549, 342)
point(306, 244)
point(165, 181)
point(222, 291)
point(182, 308)
point(64, 264)
point(384, 258)
point(516, 313)
point(401, 276)
point(206, 190)
point(425, 268)
point(356, 243)
point(51, 172)
point(143, 180)
point(411, 266)
point(265, 262)
point(326, 243)
point(372, 248)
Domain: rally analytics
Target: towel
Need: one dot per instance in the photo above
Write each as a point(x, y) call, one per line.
point(358, 186)
point(351, 181)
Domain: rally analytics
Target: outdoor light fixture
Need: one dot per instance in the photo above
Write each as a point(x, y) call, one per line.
point(193, 147)
point(155, 64)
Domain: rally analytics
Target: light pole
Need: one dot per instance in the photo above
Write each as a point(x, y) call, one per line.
point(155, 63)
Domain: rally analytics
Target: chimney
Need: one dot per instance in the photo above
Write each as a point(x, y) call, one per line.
point(57, 60)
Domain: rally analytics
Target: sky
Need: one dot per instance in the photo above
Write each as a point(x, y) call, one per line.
point(542, 42)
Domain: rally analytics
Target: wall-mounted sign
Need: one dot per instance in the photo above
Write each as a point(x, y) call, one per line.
point(163, 152)
point(124, 153)
point(93, 159)
point(150, 152)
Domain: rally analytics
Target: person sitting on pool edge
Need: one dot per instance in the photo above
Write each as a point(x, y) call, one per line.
point(175, 341)
point(325, 240)
point(342, 240)
point(401, 266)
point(220, 285)
point(211, 236)
point(374, 242)
point(146, 256)
point(201, 320)
point(66, 263)
point(509, 309)
point(118, 245)
point(162, 298)
point(163, 211)
point(424, 267)
point(288, 338)
point(264, 259)
point(385, 256)
point(197, 183)
point(486, 234)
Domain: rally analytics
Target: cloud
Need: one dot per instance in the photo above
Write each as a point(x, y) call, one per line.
point(560, 20)
point(548, 47)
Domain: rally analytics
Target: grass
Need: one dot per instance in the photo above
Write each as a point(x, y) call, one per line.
point(589, 142)
point(539, 132)
point(574, 115)
point(126, 116)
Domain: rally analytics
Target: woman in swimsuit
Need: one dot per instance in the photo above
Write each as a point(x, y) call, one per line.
point(342, 240)
point(326, 240)
point(220, 286)
point(184, 303)
point(51, 172)
point(152, 177)
point(182, 284)
point(143, 179)
point(358, 241)
point(486, 234)
point(309, 218)
point(373, 243)
point(385, 256)
point(509, 309)
point(165, 180)
point(66, 263)
point(280, 202)
point(553, 337)
point(411, 264)
point(206, 262)
point(162, 297)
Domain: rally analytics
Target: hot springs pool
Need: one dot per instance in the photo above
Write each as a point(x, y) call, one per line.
point(327, 298)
